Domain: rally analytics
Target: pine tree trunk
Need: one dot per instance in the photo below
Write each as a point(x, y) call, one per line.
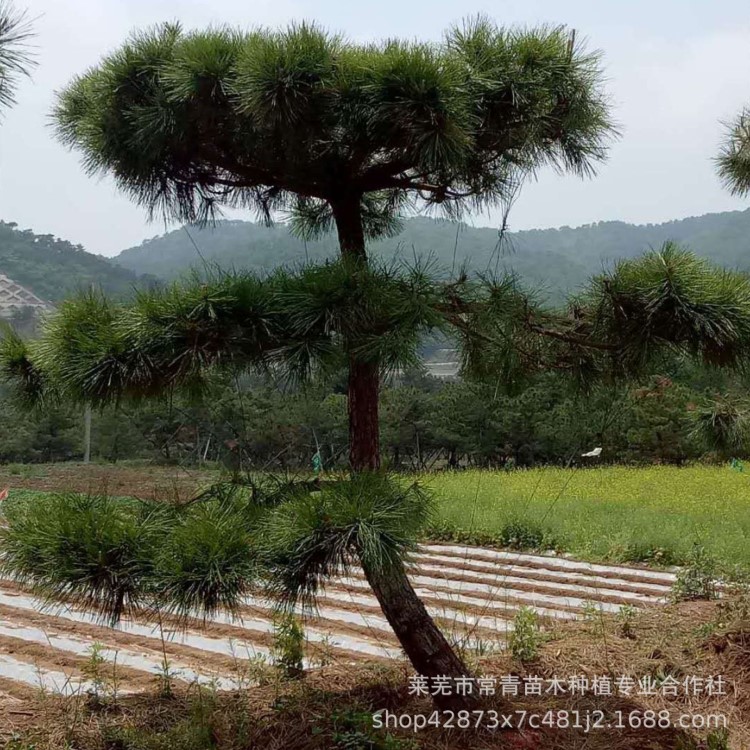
point(87, 434)
point(364, 377)
point(364, 424)
point(427, 648)
point(423, 642)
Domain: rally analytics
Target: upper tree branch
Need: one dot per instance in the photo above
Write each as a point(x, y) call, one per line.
point(571, 338)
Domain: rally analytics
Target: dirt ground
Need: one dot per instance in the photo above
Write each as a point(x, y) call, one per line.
point(332, 707)
point(138, 480)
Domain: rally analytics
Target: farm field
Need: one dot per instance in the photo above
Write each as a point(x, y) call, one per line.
point(474, 593)
point(67, 677)
point(650, 514)
point(618, 514)
point(592, 612)
point(331, 709)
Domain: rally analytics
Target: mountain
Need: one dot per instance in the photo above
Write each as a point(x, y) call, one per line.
point(53, 268)
point(558, 260)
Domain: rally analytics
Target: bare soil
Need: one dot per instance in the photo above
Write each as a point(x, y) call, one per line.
point(144, 481)
point(332, 705)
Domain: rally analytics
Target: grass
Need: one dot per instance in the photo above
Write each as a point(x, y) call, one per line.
point(653, 514)
point(25, 471)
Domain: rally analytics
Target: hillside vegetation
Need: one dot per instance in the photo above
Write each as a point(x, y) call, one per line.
point(53, 268)
point(559, 260)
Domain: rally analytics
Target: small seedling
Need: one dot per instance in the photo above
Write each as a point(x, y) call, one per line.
point(289, 645)
point(94, 671)
point(697, 579)
point(625, 620)
point(593, 615)
point(165, 679)
point(525, 639)
point(324, 652)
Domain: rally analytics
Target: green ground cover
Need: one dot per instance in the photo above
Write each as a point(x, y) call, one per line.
point(654, 514)
point(651, 514)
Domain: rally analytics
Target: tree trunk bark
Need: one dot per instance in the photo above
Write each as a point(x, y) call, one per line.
point(364, 423)
point(364, 377)
point(453, 458)
point(347, 213)
point(87, 434)
point(423, 642)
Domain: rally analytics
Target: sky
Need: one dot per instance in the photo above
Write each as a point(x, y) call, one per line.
point(676, 69)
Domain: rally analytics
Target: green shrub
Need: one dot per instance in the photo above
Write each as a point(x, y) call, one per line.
point(523, 534)
point(525, 638)
point(697, 579)
point(723, 425)
point(288, 645)
point(643, 552)
point(515, 534)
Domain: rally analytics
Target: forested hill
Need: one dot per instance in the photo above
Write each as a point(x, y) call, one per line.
point(53, 268)
point(557, 259)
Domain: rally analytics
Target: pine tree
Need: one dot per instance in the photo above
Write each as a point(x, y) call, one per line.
point(342, 136)
point(346, 137)
point(15, 57)
point(733, 160)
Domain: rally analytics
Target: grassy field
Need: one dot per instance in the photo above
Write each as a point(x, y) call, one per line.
point(648, 514)
point(654, 514)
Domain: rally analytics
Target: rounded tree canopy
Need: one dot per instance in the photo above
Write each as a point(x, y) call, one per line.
point(300, 119)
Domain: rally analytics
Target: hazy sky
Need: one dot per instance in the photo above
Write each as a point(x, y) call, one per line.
point(675, 69)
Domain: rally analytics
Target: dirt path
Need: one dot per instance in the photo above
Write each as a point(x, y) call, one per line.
point(144, 481)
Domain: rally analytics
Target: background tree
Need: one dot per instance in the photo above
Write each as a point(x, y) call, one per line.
point(723, 424)
point(15, 57)
point(540, 258)
point(734, 158)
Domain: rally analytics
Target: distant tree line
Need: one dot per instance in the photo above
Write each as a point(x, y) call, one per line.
point(555, 260)
point(427, 424)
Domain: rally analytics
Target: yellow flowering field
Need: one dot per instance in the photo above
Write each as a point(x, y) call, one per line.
point(654, 514)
